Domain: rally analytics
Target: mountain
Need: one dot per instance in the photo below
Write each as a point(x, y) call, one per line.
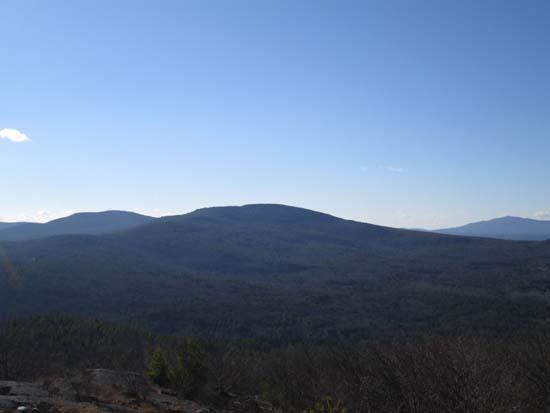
point(512, 228)
point(82, 223)
point(6, 225)
point(273, 274)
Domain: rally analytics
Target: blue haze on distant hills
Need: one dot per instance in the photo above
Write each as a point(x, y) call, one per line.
point(81, 223)
point(513, 228)
point(6, 225)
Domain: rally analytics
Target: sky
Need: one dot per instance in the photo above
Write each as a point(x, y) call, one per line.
point(419, 114)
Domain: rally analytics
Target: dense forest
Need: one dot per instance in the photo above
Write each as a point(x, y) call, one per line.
point(269, 275)
point(424, 374)
point(289, 304)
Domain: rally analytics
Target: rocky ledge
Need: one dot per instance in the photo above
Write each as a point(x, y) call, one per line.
point(108, 391)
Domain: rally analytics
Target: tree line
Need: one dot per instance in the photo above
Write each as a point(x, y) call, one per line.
point(424, 374)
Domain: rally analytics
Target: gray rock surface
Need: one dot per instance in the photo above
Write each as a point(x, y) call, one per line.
point(93, 391)
point(108, 391)
point(20, 394)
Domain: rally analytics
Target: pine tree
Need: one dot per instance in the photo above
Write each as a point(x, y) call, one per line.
point(158, 369)
point(189, 373)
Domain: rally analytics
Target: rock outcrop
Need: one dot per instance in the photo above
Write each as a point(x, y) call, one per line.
point(17, 394)
point(108, 391)
point(93, 391)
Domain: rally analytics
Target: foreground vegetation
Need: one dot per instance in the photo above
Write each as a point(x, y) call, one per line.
point(427, 374)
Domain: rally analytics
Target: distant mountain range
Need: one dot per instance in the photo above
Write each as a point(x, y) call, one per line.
point(6, 225)
point(82, 223)
point(273, 274)
point(94, 223)
point(512, 228)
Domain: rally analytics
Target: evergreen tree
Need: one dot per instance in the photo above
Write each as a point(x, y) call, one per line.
point(189, 373)
point(158, 369)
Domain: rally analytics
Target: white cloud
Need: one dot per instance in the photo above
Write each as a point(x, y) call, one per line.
point(156, 212)
point(542, 215)
point(393, 169)
point(13, 135)
point(36, 216)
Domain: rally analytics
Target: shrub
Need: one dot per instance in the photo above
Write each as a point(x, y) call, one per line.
point(328, 406)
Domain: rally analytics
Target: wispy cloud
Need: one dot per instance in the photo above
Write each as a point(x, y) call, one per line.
point(393, 169)
point(13, 135)
point(542, 215)
point(35, 216)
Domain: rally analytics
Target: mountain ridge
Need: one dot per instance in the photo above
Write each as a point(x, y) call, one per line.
point(273, 274)
point(507, 227)
point(79, 223)
point(6, 225)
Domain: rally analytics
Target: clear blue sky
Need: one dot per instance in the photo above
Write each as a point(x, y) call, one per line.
point(404, 113)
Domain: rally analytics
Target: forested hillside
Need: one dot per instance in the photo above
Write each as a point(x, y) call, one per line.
point(6, 225)
point(270, 274)
point(81, 223)
point(513, 228)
